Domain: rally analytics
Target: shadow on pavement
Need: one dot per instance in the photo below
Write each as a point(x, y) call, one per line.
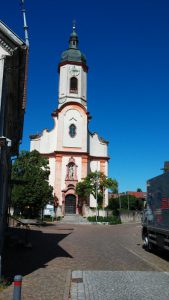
point(20, 260)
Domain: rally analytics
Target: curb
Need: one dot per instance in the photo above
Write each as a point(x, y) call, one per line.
point(67, 285)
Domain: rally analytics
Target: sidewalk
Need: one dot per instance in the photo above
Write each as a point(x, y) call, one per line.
point(48, 284)
point(119, 285)
point(42, 278)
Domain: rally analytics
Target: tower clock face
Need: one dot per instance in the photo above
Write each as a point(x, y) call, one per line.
point(74, 71)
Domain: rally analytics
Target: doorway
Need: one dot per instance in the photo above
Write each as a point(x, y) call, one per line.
point(70, 204)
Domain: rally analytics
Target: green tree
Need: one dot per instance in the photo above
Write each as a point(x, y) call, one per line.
point(139, 190)
point(31, 171)
point(114, 204)
point(127, 202)
point(96, 182)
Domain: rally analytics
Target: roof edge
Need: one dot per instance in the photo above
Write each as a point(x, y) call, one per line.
point(10, 34)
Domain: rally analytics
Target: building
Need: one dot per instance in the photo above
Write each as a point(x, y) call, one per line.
point(138, 195)
point(13, 72)
point(166, 167)
point(72, 150)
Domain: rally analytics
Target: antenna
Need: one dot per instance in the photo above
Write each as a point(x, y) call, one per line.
point(24, 21)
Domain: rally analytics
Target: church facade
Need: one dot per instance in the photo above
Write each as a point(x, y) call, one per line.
point(72, 150)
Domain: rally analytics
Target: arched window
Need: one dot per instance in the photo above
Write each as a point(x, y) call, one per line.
point(72, 130)
point(73, 85)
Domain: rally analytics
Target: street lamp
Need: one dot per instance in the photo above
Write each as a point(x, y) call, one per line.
point(128, 203)
point(97, 184)
point(119, 201)
point(96, 195)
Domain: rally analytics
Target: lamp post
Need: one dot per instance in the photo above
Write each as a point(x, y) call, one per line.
point(96, 196)
point(97, 183)
point(119, 201)
point(128, 203)
point(119, 198)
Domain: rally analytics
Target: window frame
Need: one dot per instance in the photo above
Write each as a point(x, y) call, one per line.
point(75, 130)
point(74, 88)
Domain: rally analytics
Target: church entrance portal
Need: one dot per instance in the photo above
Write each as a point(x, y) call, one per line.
point(70, 204)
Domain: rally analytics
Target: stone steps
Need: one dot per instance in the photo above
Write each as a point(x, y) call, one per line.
point(74, 219)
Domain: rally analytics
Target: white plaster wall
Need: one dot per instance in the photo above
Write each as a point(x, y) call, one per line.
point(72, 116)
point(79, 167)
point(92, 201)
point(63, 81)
point(106, 168)
point(84, 85)
point(79, 78)
point(64, 85)
point(35, 145)
point(47, 142)
point(106, 197)
point(96, 147)
point(68, 116)
point(60, 129)
point(95, 165)
point(65, 160)
point(52, 171)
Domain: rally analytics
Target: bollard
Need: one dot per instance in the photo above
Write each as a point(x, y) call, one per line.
point(17, 287)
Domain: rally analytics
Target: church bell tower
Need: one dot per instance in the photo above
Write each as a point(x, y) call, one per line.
point(73, 74)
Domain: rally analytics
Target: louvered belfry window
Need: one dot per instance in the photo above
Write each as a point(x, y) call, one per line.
point(73, 85)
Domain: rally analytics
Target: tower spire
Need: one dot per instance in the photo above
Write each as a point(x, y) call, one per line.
point(74, 25)
point(73, 40)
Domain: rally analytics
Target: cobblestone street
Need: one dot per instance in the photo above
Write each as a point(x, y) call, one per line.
point(128, 285)
point(87, 262)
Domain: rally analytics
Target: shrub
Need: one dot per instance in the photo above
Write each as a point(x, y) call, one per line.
point(5, 282)
point(110, 219)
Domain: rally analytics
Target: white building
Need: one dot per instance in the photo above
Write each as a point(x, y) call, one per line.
point(72, 150)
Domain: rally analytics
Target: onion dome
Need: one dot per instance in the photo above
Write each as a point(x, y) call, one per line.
point(73, 54)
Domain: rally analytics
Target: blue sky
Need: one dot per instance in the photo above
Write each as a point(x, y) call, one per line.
point(127, 48)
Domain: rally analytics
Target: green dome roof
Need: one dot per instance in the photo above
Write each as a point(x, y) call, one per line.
point(73, 53)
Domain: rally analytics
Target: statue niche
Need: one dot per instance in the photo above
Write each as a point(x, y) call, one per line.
point(71, 173)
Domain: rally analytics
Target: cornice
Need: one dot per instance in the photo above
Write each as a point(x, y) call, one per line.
point(74, 153)
point(57, 111)
point(35, 136)
point(6, 46)
point(101, 139)
point(91, 157)
point(85, 68)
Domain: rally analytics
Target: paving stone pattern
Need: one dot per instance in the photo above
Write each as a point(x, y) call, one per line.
point(109, 285)
point(93, 262)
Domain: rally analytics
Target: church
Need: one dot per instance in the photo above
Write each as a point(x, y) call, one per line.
point(73, 151)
